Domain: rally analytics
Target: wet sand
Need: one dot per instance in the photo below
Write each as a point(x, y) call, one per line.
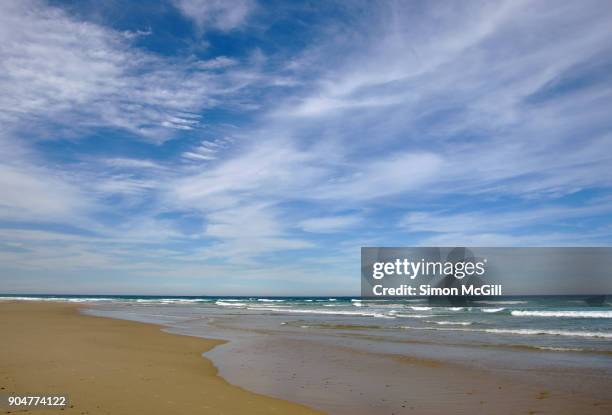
point(108, 366)
point(343, 380)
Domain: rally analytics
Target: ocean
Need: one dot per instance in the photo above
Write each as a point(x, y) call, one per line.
point(554, 323)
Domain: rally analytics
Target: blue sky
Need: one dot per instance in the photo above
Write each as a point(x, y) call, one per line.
point(252, 147)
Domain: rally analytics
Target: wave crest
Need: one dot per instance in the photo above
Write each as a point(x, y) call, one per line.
point(568, 314)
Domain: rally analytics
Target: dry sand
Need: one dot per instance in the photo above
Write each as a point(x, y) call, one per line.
point(108, 366)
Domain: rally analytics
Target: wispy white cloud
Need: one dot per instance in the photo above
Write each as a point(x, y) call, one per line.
point(131, 163)
point(208, 149)
point(37, 193)
point(32, 191)
point(216, 14)
point(519, 226)
point(245, 232)
point(330, 224)
point(485, 221)
point(78, 75)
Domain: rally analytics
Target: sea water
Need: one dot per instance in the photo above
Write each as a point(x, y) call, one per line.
point(553, 323)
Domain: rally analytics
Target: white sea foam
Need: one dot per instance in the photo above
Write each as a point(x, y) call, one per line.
point(415, 308)
point(559, 349)
point(234, 303)
point(327, 312)
point(452, 323)
point(492, 310)
point(387, 305)
point(523, 332)
point(569, 314)
point(412, 315)
point(194, 300)
point(26, 299)
point(272, 305)
point(268, 300)
point(552, 332)
point(501, 302)
point(65, 299)
point(453, 308)
point(171, 300)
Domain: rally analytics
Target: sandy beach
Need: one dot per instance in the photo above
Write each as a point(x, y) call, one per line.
point(108, 366)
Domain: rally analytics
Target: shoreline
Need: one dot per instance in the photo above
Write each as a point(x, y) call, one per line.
point(263, 367)
point(107, 365)
point(346, 373)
